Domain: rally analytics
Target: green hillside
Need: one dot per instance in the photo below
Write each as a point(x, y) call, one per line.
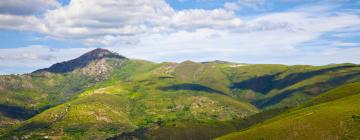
point(334, 115)
point(23, 96)
point(126, 106)
point(337, 93)
point(294, 85)
point(105, 95)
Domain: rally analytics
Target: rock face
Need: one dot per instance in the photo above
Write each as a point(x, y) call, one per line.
point(100, 69)
point(81, 61)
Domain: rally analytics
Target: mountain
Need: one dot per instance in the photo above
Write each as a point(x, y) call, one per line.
point(102, 94)
point(81, 61)
point(23, 96)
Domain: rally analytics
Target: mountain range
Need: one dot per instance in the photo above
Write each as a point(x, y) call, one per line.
point(103, 95)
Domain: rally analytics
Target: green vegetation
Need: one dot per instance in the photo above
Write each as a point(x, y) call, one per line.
point(119, 98)
point(127, 106)
point(332, 115)
point(337, 93)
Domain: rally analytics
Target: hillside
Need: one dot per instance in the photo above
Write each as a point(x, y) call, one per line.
point(23, 96)
point(126, 106)
point(102, 94)
point(333, 115)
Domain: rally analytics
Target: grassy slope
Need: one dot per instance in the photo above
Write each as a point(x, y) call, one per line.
point(23, 96)
point(143, 82)
point(38, 90)
point(337, 93)
point(320, 80)
point(334, 115)
point(42, 90)
point(113, 110)
point(96, 116)
point(280, 86)
point(206, 74)
point(189, 72)
point(137, 86)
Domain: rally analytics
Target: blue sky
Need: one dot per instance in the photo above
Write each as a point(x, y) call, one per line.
point(38, 33)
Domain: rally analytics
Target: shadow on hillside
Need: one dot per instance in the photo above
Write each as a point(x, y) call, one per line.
point(193, 87)
point(198, 131)
point(16, 112)
point(265, 84)
point(192, 131)
point(323, 87)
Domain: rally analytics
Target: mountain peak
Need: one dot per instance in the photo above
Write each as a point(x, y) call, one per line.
point(99, 53)
point(82, 61)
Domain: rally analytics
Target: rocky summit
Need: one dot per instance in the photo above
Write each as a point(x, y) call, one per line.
point(81, 61)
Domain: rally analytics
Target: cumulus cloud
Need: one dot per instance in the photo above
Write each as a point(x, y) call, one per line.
point(153, 30)
point(96, 20)
point(114, 22)
point(20, 14)
point(26, 7)
point(21, 23)
point(83, 18)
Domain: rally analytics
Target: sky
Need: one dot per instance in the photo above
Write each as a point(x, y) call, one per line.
point(38, 33)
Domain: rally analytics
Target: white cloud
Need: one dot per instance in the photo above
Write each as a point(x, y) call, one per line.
point(96, 20)
point(20, 14)
point(16, 22)
point(345, 44)
point(239, 4)
point(303, 22)
point(34, 57)
point(26, 7)
point(84, 19)
point(198, 18)
point(114, 22)
point(155, 31)
point(270, 38)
